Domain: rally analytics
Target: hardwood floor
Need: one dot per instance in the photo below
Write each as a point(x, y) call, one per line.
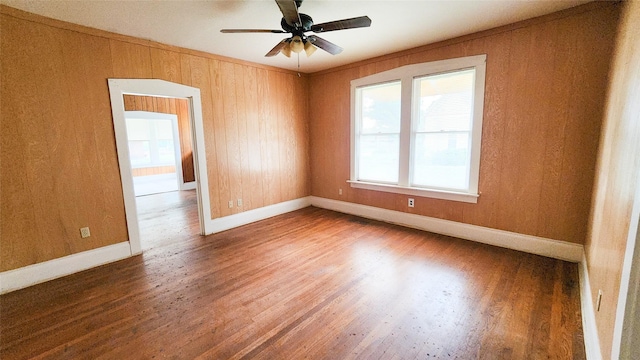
point(309, 284)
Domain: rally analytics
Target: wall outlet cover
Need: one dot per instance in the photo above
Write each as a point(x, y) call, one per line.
point(84, 232)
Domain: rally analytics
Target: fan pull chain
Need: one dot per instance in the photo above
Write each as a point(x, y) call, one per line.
point(298, 64)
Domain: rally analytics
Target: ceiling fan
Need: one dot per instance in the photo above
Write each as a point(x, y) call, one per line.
point(297, 24)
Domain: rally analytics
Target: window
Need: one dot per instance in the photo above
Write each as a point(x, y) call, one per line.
point(417, 129)
point(150, 142)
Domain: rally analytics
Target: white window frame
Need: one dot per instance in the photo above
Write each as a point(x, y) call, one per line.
point(406, 75)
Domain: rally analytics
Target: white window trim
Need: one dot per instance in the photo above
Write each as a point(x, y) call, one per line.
point(406, 74)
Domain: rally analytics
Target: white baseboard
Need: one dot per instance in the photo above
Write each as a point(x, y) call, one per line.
point(23, 277)
point(591, 341)
point(34, 274)
point(247, 217)
point(527, 243)
point(191, 185)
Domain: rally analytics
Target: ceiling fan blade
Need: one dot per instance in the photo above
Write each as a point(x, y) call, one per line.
point(232, 31)
point(358, 22)
point(325, 45)
point(276, 49)
point(289, 11)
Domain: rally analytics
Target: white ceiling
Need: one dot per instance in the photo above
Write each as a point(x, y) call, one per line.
point(196, 24)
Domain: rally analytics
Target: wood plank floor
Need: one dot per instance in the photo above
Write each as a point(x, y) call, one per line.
point(309, 284)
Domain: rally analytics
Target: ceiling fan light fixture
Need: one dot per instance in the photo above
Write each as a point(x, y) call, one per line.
point(309, 48)
point(286, 50)
point(296, 44)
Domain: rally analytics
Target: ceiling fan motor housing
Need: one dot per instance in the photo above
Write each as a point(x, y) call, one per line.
point(307, 22)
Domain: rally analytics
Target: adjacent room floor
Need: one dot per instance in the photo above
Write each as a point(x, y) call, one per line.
point(154, 184)
point(308, 284)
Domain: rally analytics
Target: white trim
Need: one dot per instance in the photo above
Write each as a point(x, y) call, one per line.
point(591, 341)
point(436, 194)
point(527, 243)
point(159, 88)
point(247, 217)
point(23, 277)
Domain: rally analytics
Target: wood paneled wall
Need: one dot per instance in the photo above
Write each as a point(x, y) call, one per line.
point(178, 107)
point(618, 177)
point(59, 169)
point(544, 96)
point(58, 164)
point(156, 170)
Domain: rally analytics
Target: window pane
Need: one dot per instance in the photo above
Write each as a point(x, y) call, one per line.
point(380, 109)
point(441, 160)
point(446, 101)
point(378, 158)
point(164, 129)
point(139, 152)
point(166, 152)
point(138, 129)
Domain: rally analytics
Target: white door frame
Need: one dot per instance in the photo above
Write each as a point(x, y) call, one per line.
point(159, 88)
point(150, 115)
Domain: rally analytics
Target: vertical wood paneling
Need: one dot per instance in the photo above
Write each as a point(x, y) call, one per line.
point(284, 133)
point(252, 198)
point(19, 103)
point(493, 130)
point(87, 61)
point(185, 69)
point(130, 61)
point(215, 92)
point(583, 121)
point(243, 146)
point(302, 132)
point(618, 177)
point(181, 108)
point(523, 132)
point(166, 65)
point(201, 73)
point(554, 136)
point(263, 118)
point(271, 137)
point(150, 103)
point(230, 110)
point(544, 95)
point(59, 163)
point(62, 153)
point(156, 170)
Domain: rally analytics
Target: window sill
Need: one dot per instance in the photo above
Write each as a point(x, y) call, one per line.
point(435, 194)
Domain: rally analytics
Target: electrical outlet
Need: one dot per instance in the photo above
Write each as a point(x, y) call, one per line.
point(411, 202)
point(84, 232)
point(230, 204)
point(239, 202)
point(599, 300)
point(339, 191)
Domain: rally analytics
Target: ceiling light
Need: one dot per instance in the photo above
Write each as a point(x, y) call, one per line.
point(296, 44)
point(309, 48)
point(286, 50)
